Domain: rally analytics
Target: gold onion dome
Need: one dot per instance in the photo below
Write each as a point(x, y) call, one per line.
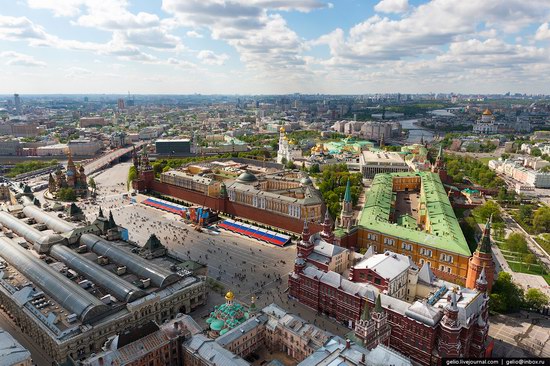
point(282, 129)
point(229, 296)
point(487, 112)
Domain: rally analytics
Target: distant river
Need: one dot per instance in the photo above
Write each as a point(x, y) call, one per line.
point(416, 133)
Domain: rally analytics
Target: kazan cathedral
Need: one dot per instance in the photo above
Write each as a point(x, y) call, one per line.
point(73, 178)
point(227, 316)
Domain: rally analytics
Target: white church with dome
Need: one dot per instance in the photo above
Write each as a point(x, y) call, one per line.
point(288, 150)
point(486, 125)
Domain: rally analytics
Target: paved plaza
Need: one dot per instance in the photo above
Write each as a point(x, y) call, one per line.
point(247, 267)
point(520, 335)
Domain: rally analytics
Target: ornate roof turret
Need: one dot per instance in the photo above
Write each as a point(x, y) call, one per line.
point(112, 222)
point(229, 296)
point(453, 304)
point(484, 245)
point(70, 162)
point(365, 315)
point(378, 305)
point(482, 278)
point(305, 231)
point(481, 282)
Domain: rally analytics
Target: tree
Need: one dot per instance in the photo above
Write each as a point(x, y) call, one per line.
point(498, 230)
point(529, 259)
point(92, 184)
point(536, 299)
point(502, 194)
point(315, 169)
point(290, 165)
point(132, 175)
point(525, 214)
point(506, 296)
point(505, 156)
point(485, 211)
point(67, 194)
point(536, 151)
point(541, 219)
point(516, 243)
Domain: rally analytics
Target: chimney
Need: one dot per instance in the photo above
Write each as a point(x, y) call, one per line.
point(100, 361)
point(362, 357)
point(348, 343)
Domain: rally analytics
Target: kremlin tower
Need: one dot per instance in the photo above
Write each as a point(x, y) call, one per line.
point(439, 168)
point(373, 329)
point(482, 261)
point(346, 215)
point(449, 344)
point(327, 234)
point(305, 247)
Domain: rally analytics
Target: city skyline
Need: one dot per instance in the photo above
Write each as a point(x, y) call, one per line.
point(274, 47)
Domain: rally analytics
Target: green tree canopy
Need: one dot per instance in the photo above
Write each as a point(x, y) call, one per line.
point(66, 194)
point(541, 219)
point(332, 184)
point(516, 243)
point(506, 295)
point(536, 299)
point(459, 167)
point(315, 169)
point(485, 211)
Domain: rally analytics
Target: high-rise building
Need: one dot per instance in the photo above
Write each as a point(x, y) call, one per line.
point(17, 101)
point(120, 104)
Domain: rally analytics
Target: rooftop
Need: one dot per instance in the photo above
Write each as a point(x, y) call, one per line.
point(382, 156)
point(388, 265)
point(445, 232)
point(11, 351)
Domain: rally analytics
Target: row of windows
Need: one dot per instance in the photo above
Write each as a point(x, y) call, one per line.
point(447, 269)
point(446, 257)
point(409, 247)
point(389, 241)
point(426, 252)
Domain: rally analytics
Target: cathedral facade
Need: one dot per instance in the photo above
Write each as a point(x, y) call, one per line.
point(288, 151)
point(74, 178)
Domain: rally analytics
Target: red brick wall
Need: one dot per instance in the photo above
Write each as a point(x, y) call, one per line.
point(187, 195)
point(232, 208)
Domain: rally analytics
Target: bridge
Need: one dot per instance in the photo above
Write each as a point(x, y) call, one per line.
point(107, 159)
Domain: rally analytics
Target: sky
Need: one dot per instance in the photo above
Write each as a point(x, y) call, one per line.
point(274, 46)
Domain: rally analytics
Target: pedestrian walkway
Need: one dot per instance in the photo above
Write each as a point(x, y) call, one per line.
point(526, 281)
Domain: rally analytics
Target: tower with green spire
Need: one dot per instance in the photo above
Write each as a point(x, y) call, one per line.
point(439, 168)
point(482, 260)
point(373, 327)
point(346, 215)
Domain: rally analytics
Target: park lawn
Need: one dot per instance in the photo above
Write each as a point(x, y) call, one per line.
point(546, 278)
point(520, 267)
point(544, 241)
point(485, 160)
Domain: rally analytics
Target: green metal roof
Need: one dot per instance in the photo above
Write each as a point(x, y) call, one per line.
point(445, 233)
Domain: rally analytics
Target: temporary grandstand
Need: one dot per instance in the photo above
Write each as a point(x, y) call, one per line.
point(200, 215)
point(255, 232)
